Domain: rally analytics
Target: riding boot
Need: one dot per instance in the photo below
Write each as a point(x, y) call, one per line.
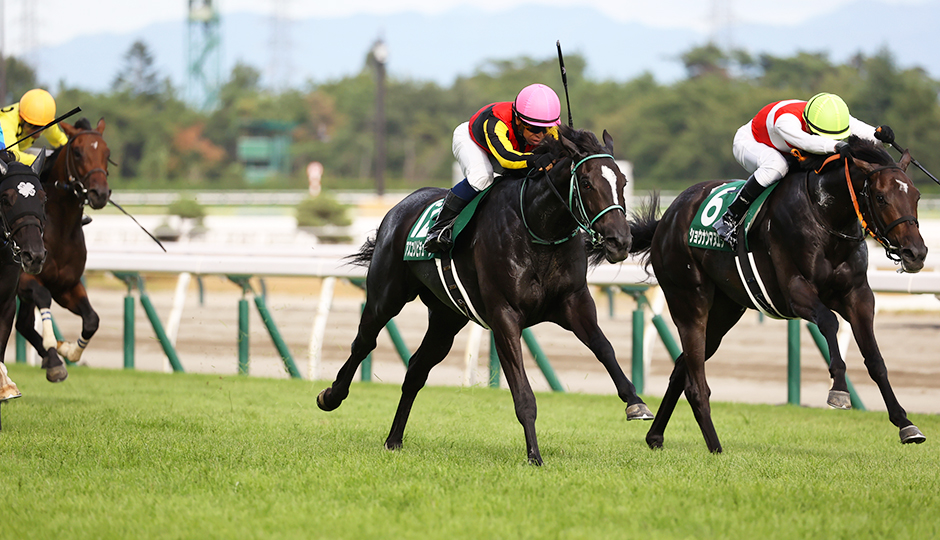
point(727, 224)
point(85, 220)
point(439, 237)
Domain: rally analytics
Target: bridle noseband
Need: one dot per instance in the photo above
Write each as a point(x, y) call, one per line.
point(77, 186)
point(574, 204)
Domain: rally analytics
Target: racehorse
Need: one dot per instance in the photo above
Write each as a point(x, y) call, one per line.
point(78, 175)
point(21, 211)
point(521, 261)
point(809, 251)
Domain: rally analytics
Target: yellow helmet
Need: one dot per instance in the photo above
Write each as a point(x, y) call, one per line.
point(827, 115)
point(37, 107)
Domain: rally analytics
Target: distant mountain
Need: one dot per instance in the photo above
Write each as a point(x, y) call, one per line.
point(439, 48)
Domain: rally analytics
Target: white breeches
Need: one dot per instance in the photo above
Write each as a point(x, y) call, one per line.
point(474, 162)
point(766, 163)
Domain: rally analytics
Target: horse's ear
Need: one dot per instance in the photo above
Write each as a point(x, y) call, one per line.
point(69, 129)
point(100, 127)
point(865, 166)
point(38, 163)
point(569, 146)
point(3, 168)
point(905, 160)
point(608, 143)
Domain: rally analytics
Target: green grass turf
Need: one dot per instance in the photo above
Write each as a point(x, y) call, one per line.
point(124, 454)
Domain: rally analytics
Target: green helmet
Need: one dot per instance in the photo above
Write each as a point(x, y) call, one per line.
point(827, 115)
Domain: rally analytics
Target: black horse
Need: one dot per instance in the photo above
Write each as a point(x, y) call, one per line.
point(521, 261)
point(22, 202)
point(810, 253)
point(77, 175)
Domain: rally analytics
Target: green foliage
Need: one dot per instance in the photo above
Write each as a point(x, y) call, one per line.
point(130, 454)
point(186, 208)
point(322, 210)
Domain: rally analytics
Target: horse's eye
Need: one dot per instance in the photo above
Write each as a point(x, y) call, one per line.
point(881, 199)
point(586, 185)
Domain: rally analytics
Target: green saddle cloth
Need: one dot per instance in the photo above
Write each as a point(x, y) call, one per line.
point(414, 245)
point(702, 232)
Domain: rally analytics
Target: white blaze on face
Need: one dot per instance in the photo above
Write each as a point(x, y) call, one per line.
point(901, 183)
point(94, 145)
point(611, 177)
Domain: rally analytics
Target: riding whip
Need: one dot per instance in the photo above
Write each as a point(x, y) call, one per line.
point(43, 128)
point(564, 80)
point(914, 161)
point(138, 224)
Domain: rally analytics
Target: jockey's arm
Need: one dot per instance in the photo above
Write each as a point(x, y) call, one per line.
point(861, 129)
point(497, 140)
point(55, 136)
point(790, 128)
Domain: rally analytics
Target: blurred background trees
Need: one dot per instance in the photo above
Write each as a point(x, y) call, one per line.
point(675, 134)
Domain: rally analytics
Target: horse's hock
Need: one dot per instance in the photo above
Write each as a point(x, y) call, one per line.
point(750, 366)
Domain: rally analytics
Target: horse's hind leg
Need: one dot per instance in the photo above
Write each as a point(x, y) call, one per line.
point(580, 316)
point(76, 301)
point(443, 325)
point(383, 301)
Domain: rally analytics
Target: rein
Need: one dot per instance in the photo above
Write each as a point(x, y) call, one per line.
point(77, 186)
point(574, 204)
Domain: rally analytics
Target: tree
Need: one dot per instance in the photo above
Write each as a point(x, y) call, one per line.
point(20, 78)
point(138, 76)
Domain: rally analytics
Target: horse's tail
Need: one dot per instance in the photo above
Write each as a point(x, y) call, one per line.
point(643, 223)
point(364, 256)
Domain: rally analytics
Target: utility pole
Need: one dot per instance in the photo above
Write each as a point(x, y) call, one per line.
point(379, 56)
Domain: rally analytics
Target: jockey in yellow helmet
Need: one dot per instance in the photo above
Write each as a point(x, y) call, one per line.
point(35, 109)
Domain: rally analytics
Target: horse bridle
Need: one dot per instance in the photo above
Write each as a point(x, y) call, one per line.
point(77, 186)
point(880, 231)
point(574, 204)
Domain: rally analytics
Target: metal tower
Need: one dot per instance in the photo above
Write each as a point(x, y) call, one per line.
point(203, 66)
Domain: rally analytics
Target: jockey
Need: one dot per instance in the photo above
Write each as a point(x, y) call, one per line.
point(34, 110)
point(499, 137)
point(817, 126)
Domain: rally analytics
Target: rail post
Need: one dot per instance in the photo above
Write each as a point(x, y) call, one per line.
point(793, 361)
point(243, 320)
point(494, 363)
point(365, 368)
point(542, 360)
point(129, 279)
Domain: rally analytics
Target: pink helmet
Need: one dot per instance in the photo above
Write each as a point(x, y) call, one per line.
point(538, 105)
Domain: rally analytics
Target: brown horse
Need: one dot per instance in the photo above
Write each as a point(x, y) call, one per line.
point(21, 210)
point(78, 176)
point(522, 260)
point(811, 255)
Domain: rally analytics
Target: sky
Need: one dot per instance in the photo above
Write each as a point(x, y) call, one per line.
point(57, 21)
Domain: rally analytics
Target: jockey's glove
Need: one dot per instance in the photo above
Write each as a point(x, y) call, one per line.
point(7, 156)
point(539, 161)
point(885, 134)
point(842, 148)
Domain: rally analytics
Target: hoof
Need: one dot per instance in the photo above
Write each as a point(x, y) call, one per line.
point(9, 392)
point(639, 411)
point(839, 400)
point(911, 434)
point(57, 374)
point(655, 442)
point(323, 401)
point(392, 446)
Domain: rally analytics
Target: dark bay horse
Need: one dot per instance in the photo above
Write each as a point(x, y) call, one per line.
point(21, 210)
point(78, 175)
point(521, 261)
point(810, 252)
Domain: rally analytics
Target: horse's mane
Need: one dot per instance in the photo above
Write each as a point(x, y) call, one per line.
point(862, 149)
point(583, 139)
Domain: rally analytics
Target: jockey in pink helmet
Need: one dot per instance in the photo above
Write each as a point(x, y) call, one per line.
point(498, 138)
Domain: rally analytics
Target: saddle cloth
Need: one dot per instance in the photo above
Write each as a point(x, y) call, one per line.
point(702, 232)
point(414, 244)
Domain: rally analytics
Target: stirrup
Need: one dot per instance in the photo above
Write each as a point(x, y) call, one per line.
point(439, 243)
point(86, 219)
point(727, 231)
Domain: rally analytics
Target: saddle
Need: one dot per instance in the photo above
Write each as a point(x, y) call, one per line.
point(414, 244)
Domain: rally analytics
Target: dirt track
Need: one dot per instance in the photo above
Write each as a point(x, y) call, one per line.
point(750, 366)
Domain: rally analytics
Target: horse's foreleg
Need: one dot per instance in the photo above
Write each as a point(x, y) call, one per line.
point(45, 344)
point(655, 436)
point(507, 335)
point(807, 305)
point(443, 325)
point(581, 318)
point(8, 389)
point(861, 317)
